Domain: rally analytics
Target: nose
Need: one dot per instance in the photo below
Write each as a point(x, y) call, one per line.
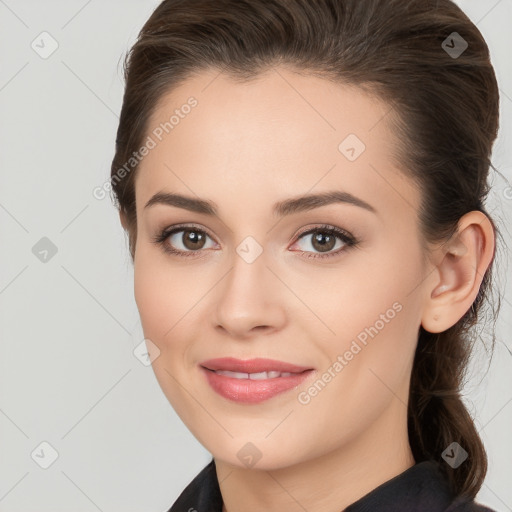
point(251, 300)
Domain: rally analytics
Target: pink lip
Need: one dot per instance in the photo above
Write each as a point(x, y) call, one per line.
point(252, 391)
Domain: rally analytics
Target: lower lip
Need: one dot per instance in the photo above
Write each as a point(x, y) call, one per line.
point(252, 391)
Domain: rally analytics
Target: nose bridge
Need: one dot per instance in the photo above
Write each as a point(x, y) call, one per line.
point(247, 280)
point(249, 296)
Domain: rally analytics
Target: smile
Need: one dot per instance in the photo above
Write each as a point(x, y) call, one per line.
point(262, 379)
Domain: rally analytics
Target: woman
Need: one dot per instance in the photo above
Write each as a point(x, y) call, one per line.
point(303, 186)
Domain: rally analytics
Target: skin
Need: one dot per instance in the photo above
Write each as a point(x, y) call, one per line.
point(245, 147)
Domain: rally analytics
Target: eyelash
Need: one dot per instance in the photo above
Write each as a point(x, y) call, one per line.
point(347, 239)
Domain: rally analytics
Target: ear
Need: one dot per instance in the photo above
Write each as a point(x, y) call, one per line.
point(459, 271)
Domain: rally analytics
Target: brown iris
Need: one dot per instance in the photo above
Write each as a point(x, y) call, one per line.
point(323, 242)
point(193, 239)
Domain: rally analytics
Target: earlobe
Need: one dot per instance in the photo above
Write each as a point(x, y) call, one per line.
point(459, 273)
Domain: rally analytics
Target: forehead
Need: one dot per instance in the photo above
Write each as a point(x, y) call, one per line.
point(277, 136)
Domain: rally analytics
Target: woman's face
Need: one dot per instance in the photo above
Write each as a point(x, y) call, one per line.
point(261, 276)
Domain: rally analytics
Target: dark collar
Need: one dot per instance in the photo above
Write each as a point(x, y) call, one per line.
point(421, 488)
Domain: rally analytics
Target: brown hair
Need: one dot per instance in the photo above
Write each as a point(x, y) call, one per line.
point(445, 117)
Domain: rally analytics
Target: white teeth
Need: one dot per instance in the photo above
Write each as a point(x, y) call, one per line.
point(262, 375)
point(253, 376)
point(235, 375)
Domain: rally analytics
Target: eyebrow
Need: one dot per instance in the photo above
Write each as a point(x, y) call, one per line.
point(281, 209)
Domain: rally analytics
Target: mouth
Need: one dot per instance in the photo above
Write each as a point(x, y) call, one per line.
point(252, 376)
point(252, 366)
point(254, 380)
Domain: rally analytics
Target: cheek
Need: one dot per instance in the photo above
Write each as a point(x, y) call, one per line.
point(161, 295)
point(365, 289)
point(368, 361)
point(373, 312)
point(165, 299)
point(150, 300)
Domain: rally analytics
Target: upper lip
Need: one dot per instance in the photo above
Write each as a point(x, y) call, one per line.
point(252, 365)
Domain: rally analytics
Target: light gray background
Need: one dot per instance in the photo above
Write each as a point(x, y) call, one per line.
point(68, 326)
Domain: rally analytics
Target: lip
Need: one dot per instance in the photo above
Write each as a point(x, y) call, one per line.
point(250, 391)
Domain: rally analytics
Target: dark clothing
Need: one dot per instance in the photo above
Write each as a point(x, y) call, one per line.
point(421, 488)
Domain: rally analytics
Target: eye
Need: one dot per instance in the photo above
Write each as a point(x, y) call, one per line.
point(325, 239)
point(189, 241)
point(183, 240)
